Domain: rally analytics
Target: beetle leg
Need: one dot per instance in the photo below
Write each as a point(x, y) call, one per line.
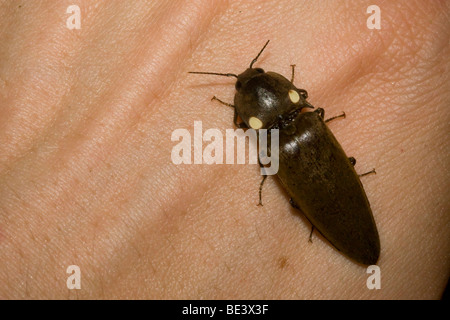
point(293, 71)
point(370, 172)
point(310, 235)
point(222, 102)
point(352, 161)
point(321, 112)
point(339, 116)
point(260, 190)
point(293, 204)
point(261, 184)
point(303, 93)
point(240, 125)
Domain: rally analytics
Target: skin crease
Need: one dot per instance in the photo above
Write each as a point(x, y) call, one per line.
point(86, 178)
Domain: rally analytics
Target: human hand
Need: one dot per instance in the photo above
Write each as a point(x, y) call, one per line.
point(86, 176)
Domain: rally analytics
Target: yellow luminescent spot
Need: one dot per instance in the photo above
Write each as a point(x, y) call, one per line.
point(255, 123)
point(294, 96)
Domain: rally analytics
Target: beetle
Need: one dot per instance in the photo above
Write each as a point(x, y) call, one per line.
point(313, 168)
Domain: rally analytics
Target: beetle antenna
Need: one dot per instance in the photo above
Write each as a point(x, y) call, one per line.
point(254, 60)
point(215, 73)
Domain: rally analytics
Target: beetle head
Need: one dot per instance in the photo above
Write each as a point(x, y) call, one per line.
point(263, 98)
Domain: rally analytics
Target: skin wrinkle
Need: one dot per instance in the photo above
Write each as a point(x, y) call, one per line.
point(100, 135)
point(82, 124)
point(31, 75)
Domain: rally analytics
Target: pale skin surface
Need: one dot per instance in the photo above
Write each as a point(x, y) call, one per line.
point(86, 176)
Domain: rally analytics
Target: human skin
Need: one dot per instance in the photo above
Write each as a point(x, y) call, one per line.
point(86, 177)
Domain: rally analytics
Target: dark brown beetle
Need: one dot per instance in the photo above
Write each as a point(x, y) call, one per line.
point(313, 167)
